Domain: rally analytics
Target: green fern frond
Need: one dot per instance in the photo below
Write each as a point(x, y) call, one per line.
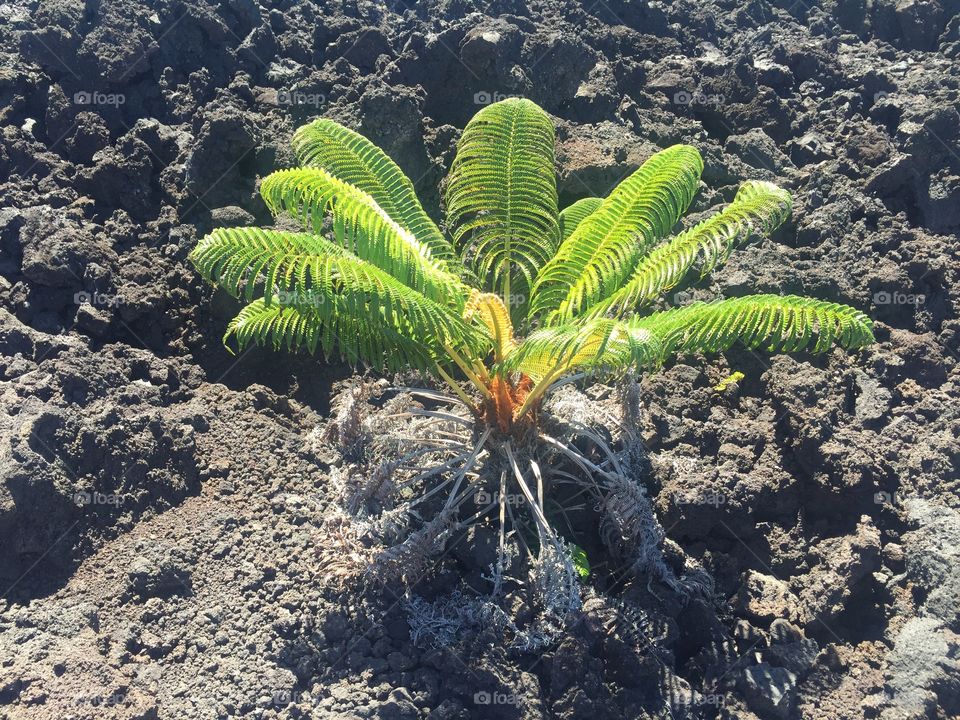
point(609, 346)
point(251, 260)
point(355, 342)
point(488, 310)
point(599, 345)
point(778, 323)
point(758, 209)
point(352, 158)
point(280, 326)
point(358, 307)
point(605, 248)
point(502, 196)
point(572, 215)
point(361, 226)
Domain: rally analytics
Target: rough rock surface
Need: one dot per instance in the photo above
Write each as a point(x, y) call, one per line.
point(160, 498)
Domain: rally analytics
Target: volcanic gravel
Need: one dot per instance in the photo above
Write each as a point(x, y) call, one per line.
point(161, 498)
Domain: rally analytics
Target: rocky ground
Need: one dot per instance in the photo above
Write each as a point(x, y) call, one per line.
point(161, 498)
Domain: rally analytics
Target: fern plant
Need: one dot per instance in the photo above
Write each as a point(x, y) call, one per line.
point(517, 295)
point(513, 299)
